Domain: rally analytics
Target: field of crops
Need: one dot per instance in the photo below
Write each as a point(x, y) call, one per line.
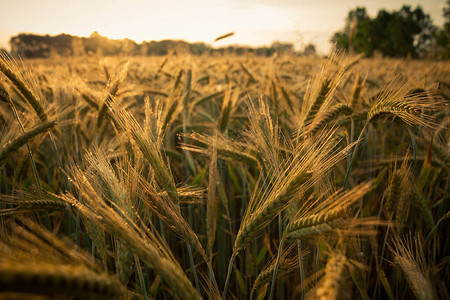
point(235, 177)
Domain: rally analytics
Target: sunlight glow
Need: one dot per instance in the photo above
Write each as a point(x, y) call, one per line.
point(255, 23)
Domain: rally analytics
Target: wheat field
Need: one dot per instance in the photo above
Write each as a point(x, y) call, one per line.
point(233, 177)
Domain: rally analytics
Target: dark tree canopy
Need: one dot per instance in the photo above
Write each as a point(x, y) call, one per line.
point(32, 45)
point(443, 35)
point(399, 33)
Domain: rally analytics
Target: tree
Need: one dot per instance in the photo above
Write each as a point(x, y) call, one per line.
point(282, 47)
point(342, 38)
point(398, 33)
point(443, 36)
point(310, 49)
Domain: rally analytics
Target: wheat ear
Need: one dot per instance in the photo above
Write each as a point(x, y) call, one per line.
point(21, 140)
point(409, 258)
point(266, 275)
point(150, 148)
point(334, 278)
point(316, 224)
point(57, 280)
point(424, 210)
point(440, 152)
point(112, 89)
point(143, 243)
point(394, 193)
point(24, 90)
point(4, 96)
point(397, 100)
point(331, 115)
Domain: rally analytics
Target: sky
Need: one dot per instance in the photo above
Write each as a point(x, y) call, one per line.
point(255, 23)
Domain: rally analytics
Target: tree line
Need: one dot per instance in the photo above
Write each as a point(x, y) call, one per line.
point(401, 33)
point(42, 46)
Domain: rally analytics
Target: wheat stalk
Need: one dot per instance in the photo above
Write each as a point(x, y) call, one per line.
point(316, 224)
point(150, 148)
point(143, 243)
point(424, 210)
point(356, 91)
point(212, 203)
point(408, 257)
point(21, 140)
point(442, 154)
point(397, 100)
point(4, 96)
point(265, 276)
point(57, 280)
point(7, 70)
point(226, 148)
point(111, 91)
point(394, 192)
point(328, 117)
point(334, 278)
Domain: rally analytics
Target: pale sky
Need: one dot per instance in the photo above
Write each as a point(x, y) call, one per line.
point(255, 23)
